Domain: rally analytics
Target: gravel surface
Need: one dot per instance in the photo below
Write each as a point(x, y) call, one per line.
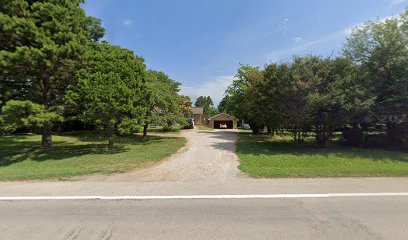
point(208, 156)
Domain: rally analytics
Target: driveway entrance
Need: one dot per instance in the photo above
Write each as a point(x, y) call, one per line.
point(208, 156)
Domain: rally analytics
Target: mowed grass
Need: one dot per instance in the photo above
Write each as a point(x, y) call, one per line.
point(75, 154)
point(279, 157)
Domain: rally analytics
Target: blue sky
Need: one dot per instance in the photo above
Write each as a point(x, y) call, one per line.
point(201, 43)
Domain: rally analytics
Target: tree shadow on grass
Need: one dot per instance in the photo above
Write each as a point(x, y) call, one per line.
point(60, 151)
point(93, 137)
point(256, 146)
point(15, 149)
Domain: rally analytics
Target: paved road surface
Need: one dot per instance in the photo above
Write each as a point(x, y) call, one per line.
point(207, 166)
point(350, 218)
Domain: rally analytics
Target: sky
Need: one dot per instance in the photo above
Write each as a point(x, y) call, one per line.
point(202, 43)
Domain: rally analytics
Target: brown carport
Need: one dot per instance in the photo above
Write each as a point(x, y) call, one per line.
point(221, 119)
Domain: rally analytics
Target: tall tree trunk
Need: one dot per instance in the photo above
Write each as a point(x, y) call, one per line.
point(322, 135)
point(299, 138)
point(112, 134)
point(110, 142)
point(145, 127)
point(46, 141)
point(295, 135)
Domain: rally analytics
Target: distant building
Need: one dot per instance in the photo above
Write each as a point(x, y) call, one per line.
point(198, 115)
point(222, 120)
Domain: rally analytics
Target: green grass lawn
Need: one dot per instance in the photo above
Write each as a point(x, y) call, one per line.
point(279, 157)
point(75, 154)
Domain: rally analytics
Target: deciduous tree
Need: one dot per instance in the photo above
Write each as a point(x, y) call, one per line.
point(380, 48)
point(207, 104)
point(163, 103)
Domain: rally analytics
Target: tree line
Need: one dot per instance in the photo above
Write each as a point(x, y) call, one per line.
point(363, 93)
point(57, 73)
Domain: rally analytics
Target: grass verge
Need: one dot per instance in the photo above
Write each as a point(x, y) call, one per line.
point(279, 157)
point(75, 154)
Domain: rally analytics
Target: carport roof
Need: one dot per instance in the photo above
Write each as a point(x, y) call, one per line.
point(222, 114)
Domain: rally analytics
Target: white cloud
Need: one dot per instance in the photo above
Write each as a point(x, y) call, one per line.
point(298, 40)
point(397, 2)
point(127, 22)
point(215, 89)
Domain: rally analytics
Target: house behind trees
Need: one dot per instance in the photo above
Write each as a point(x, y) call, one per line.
point(197, 113)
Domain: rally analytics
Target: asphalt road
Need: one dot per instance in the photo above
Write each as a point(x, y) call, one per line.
point(334, 218)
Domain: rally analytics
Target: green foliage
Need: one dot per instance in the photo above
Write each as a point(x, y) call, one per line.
point(109, 92)
point(232, 103)
point(331, 94)
point(380, 48)
point(212, 111)
point(207, 104)
point(25, 114)
point(41, 51)
point(95, 29)
point(323, 95)
point(51, 46)
point(164, 106)
point(311, 94)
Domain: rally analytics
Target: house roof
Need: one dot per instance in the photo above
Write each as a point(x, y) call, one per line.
point(198, 110)
point(221, 115)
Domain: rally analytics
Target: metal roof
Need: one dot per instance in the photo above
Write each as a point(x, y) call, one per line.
point(222, 114)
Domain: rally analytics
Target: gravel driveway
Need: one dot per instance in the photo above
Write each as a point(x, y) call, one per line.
point(208, 156)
